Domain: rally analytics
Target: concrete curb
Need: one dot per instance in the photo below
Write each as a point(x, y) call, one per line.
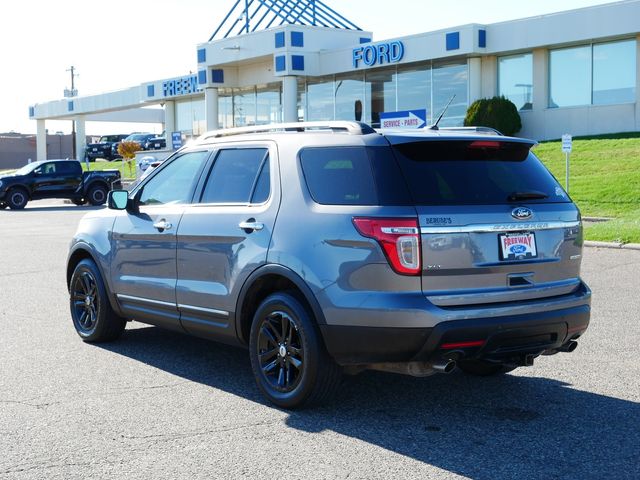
point(618, 245)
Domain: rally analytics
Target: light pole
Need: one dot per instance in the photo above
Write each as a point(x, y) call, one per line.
point(72, 93)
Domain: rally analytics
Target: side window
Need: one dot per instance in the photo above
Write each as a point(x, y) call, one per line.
point(65, 168)
point(239, 175)
point(175, 182)
point(339, 175)
point(48, 169)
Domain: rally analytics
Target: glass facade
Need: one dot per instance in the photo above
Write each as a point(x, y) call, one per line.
point(363, 95)
point(515, 79)
point(614, 72)
point(190, 117)
point(450, 82)
point(599, 74)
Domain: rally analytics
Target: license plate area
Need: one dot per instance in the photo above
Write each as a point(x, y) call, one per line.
point(517, 246)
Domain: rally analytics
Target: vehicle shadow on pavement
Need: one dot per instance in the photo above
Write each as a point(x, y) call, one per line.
point(503, 427)
point(56, 208)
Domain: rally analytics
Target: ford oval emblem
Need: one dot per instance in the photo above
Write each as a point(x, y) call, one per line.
point(521, 213)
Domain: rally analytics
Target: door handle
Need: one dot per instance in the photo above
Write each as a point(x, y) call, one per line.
point(251, 225)
point(162, 225)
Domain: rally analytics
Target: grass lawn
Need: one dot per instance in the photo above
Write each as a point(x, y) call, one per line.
point(604, 182)
point(127, 171)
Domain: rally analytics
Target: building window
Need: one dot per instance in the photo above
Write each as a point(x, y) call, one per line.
point(349, 96)
point(320, 96)
point(449, 80)
point(190, 117)
point(599, 74)
point(380, 94)
point(570, 77)
point(414, 89)
point(268, 104)
point(515, 79)
point(614, 72)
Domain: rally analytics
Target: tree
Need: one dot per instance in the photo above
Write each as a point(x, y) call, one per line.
point(497, 112)
point(127, 150)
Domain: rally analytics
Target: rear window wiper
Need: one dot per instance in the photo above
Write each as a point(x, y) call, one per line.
point(532, 195)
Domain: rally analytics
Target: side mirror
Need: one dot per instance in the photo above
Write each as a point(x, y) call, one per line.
point(118, 199)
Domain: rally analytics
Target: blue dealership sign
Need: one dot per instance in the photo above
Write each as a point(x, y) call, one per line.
point(404, 119)
point(176, 140)
point(378, 54)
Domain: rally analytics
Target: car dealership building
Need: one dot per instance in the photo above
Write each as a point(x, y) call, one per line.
point(269, 61)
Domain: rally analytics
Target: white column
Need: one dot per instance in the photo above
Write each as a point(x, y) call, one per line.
point(475, 79)
point(169, 121)
point(211, 108)
point(81, 137)
point(489, 76)
point(41, 140)
point(289, 99)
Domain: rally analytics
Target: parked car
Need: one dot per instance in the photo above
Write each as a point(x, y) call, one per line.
point(330, 247)
point(104, 147)
point(156, 142)
point(56, 179)
point(150, 167)
point(141, 138)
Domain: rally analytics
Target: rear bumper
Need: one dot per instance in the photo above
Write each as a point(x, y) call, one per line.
point(501, 339)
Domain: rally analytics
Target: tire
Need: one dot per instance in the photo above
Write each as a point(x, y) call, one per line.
point(482, 368)
point(78, 201)
point(91, 312)
point(289, 361)
point(17, 198)
point(3, 205)
point(97, 195)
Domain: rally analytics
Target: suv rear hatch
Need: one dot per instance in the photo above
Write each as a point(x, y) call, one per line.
point(495, 225)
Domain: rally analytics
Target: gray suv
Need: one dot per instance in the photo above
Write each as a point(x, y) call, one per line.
point(331, 247)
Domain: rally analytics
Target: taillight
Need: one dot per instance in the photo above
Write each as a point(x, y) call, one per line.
point(399, 239)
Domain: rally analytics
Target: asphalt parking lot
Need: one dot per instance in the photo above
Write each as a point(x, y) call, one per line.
point(162, 405)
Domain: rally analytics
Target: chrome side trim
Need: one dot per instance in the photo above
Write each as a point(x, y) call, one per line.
point(144, 300)
point(499, 227)
point(212, 311)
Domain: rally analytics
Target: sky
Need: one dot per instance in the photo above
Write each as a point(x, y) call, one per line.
point(117, 44)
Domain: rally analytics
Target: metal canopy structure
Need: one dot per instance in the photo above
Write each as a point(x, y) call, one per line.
point(248, 16)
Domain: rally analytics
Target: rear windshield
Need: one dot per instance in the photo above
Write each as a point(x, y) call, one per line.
point(475, 173)
point(353, 176)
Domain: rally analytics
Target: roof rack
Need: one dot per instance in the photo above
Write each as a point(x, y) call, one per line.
point(352, 128)
point(487, 130)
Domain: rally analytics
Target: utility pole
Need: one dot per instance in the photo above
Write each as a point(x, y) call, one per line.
point(72, 93)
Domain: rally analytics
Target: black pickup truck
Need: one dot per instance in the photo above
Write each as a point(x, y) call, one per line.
point(107, 147)
point(56, 179)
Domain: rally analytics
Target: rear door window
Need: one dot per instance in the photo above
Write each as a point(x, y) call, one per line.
point(476, 173)
point(238, 176)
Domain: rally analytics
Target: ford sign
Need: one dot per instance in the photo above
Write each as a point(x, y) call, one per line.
point(521, 213)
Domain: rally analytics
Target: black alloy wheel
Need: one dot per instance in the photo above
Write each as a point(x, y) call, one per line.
point(84, 295)
point(17, 199)
point(289, 361)
point(280, 351)
point(93, 317)
point(97, 195)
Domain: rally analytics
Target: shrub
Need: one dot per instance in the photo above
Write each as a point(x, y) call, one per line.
point(127, 150)
point(497, 112)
